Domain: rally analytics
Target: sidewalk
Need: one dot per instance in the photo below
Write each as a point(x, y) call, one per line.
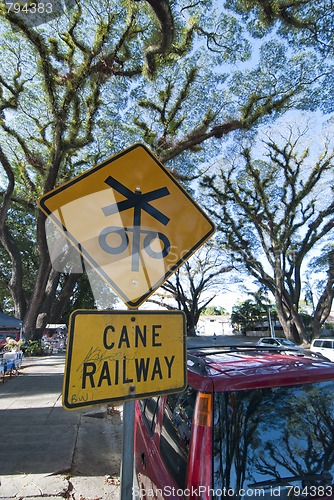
point(47, 451)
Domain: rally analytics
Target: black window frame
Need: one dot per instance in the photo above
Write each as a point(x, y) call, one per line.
point(175, 455)
point(150, 417)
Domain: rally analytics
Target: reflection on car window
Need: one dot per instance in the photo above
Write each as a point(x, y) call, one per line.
point(274, 438)
point(286, 342)
point(175, 433)
point(149, 409)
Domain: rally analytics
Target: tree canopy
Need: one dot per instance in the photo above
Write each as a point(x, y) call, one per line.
point(273, 212)
point(194, 285)
point(89, 80)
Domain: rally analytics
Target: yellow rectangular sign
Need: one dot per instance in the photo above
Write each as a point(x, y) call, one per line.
point(121, 355)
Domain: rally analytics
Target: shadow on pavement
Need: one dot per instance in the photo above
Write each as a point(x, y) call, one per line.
point(38, 436)
point(49, 441)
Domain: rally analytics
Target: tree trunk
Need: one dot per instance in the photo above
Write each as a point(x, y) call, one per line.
point(191, 324)
point(45, 310)
point(42, 278)
point(30, 330)
point(15, 283)
point(62, 300)
point(325, 302)
point(287, 320)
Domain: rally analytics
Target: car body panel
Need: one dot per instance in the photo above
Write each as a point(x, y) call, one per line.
point(324, 347)
point(234, 371)
point(276, 342)
point(153, 477)
point(258, 370)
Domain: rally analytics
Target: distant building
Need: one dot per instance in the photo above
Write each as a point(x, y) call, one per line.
point(263, 329)
point(214, 325)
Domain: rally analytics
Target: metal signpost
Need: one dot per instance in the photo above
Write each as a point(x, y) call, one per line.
point(135, 225)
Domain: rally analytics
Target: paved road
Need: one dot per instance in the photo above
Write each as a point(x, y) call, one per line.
point(47, 451)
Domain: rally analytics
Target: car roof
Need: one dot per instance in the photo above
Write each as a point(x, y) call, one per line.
point(278, 339)
point(268, 338)
point(323, 338)
point(241, 368)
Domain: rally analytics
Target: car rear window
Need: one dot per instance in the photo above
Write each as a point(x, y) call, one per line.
point(175, 433)
point(275, 442)
point(149, 408)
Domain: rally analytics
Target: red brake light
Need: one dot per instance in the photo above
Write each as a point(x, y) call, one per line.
point(198, 482)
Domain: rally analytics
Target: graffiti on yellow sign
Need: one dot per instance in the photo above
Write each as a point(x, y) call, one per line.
point(118, 355)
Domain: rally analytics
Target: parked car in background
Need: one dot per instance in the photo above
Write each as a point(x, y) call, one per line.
point(324, 347)
point(252, 422)
point(276, 342)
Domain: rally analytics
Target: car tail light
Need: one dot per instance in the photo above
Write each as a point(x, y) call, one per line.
point(200, 454)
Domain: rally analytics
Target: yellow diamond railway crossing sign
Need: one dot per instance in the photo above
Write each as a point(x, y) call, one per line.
point(131, 220)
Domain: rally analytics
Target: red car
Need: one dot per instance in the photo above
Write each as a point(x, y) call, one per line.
point(252, 422)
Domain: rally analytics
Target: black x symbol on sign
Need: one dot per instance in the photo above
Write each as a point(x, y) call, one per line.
point(138, 201)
